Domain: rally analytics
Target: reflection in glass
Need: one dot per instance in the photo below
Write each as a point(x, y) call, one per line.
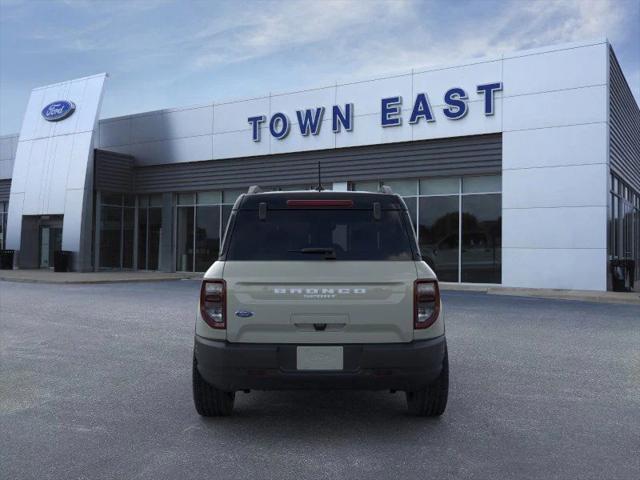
point(184, 240)
point(155, 229)
point(402, 187)
point(412, 207)
point(481, 238)
point(226, 213)
point(366, 186)
point(438, 224)
point(439, 186)
point(207, 236)
point(487, 183)
point(149, 228)
point(110, 231)
point(128, 229)
point(142, 237)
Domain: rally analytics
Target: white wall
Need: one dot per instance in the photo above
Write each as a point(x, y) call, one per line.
point(552, 112)
point(52, 168)
point(8, 146)
point(221, 130)
point(555, 167)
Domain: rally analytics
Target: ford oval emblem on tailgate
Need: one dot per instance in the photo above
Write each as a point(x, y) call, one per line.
point(244, 314)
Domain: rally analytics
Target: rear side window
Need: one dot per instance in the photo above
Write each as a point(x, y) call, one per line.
point(316, 234)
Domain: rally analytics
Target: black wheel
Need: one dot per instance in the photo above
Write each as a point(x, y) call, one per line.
point(432, 401)
point(209, 401)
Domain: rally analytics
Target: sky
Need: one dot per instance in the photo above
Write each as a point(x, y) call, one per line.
point(162, 53)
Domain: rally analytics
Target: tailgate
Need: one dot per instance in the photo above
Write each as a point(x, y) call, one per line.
point(319, 301)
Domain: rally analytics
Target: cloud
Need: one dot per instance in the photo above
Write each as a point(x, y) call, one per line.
point(299, 23)
point(171, 53)
point(516, 26)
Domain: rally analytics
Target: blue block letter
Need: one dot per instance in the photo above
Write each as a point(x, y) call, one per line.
point(390, 109)
point(345, 119)
point(487, 89)
point(279, 125)
point(311, 121)
point(456, 99)
point(255, 126)
point(421, 109)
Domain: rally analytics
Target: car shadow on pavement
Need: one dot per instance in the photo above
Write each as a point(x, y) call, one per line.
point(309, 412)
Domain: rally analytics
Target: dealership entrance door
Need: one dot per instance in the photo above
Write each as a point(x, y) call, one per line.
point(50, 239)
point(41, 237)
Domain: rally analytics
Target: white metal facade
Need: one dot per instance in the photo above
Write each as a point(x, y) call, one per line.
point(552, 113)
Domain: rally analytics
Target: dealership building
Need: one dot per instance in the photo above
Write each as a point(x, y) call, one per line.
point(521, 169)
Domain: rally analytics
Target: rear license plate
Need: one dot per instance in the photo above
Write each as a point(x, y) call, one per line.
point(320, 358)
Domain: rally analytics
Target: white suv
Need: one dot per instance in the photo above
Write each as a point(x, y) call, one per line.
point(320, 289)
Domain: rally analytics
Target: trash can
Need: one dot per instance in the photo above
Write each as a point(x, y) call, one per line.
point(6, 259)
point(61, 261)
point(619, 275)
point(630, 274)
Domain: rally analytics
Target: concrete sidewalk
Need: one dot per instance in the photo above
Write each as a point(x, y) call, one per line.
point(49, 276)
point(632, 298)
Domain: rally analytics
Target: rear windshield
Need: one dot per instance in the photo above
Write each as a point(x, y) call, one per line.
point(338, 234)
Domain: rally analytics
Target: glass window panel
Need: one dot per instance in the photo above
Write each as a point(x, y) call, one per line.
point(402, 187)
point(129, 200)
point(367, 186)
point(349, 233)
point(155, 200)
point(111, 199)
point(184, 239)
point(207, 236)
point(110, 236)
point(142, 238)
point(481, 251)
point(209, 198)
point(154, 237)
point(230, 196)
point(128, 233)
point(439, 186)
point(186, 199)
point(226, 213)
point(412, 203)
point(438, 235)
point(483, 184)
point(143, 201)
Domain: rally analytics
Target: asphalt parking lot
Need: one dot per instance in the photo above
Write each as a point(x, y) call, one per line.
point(95, 384)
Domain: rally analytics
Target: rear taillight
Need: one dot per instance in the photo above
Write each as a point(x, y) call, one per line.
point(426, 303)
point(213, 296)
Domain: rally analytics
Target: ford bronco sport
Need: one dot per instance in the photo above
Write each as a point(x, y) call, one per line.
point(320, 289)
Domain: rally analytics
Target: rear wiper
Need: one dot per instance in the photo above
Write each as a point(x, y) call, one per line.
point(330, 253)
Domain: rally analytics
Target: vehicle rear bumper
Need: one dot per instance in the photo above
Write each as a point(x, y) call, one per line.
point(395, 366)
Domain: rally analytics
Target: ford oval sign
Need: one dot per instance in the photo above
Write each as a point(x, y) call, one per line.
point(244, 314)
point(56, 111)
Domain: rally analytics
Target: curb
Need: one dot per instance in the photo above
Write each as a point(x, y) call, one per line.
point(630, 298)
point(95, 282)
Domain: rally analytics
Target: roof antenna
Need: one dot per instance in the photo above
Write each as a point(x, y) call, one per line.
point(319, 179)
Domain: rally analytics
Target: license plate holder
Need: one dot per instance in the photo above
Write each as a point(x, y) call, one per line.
point(320, 358)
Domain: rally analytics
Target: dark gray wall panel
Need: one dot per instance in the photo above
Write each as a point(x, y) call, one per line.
point(5, 189)
point(624, 126)
point(113, 172)
point(479, 154)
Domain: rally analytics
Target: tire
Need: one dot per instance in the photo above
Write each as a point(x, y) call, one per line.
point(209, 401)
point(432, 401)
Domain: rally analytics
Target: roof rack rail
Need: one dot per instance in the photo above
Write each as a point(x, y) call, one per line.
point(254, 189)
point(386, 189)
